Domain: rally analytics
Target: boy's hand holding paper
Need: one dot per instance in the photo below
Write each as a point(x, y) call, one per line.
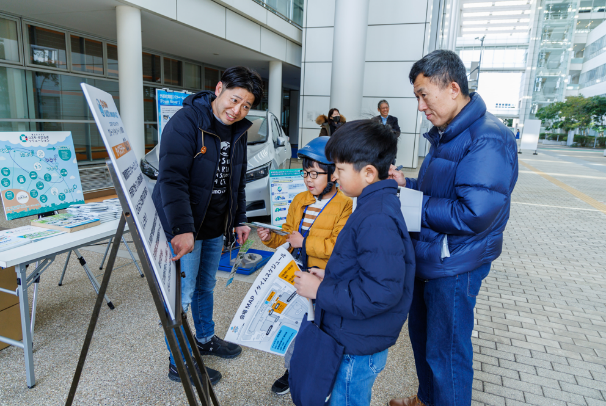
point(307, 284)
point(295, 239)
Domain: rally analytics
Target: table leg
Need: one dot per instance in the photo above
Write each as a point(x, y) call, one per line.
point(25, 325)
point(91, 277)
point(69, 254)
point(105, 255)
point(132, 257)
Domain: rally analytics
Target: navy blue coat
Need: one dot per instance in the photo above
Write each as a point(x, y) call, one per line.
point(467, 180)
point(367, 288)
point(186, 176)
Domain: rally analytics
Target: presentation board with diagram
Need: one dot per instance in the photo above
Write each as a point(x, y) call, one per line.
point(284, 185)
point(38, 173)
point(167, 104)
point(270, 315)
point(136, 191)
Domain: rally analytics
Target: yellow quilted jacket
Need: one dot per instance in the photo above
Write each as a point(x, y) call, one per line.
point(324, 231)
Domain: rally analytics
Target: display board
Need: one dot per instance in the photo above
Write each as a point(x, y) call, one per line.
point(284, 185)
point(134, 185)
point(270, 315)
point(38, 173)
point(530, 135)
point(167, 104)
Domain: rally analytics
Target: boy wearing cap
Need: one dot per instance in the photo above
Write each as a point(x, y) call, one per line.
point(314, 220)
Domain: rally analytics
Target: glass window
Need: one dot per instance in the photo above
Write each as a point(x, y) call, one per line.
point(151, 136)
point(149, 104)
point(211, 78)
point(151, 68)
point(173, 72)
point(13, 99)
point(112, 60)
point(191, 75)
point(599, 6)
point(87, 55)
point(47, 47)
point(9, 42)
point(275, 131)
point(258, 131)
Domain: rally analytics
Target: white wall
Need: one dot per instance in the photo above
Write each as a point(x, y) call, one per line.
point(242, 22)
point(396, 38)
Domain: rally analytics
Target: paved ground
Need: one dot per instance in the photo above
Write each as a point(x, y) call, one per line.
point(540, 337)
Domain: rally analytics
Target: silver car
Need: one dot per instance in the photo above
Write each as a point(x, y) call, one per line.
point(268, 148)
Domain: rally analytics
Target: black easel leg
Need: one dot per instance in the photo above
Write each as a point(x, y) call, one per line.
point(206, 385)
point(189, 363)
point(96, 310)
point(174, 347)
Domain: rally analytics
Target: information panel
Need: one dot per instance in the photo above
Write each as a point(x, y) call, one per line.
point(284, 185)
point(168, 103)
point(38, 173)
point(134, 185)
point(530, 135)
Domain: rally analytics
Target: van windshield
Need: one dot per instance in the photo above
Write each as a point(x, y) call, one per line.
point(258, 132)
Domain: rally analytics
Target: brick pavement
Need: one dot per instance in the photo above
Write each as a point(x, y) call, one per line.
point(540, 335)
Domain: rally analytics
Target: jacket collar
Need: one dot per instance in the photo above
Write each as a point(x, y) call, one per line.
point(388, 186)
point(201, 105)
point(475, 109)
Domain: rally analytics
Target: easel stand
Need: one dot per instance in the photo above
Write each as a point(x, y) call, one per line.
point(171, 327)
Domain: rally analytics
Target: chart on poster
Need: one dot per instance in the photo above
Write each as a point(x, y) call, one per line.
point(284, 185)
point(167, 104)
point(38, 173)
point(134, 185)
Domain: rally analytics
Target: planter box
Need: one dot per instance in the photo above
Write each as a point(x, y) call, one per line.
point(549, 142)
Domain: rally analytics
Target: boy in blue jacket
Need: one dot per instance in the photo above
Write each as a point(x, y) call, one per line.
point(366, 290)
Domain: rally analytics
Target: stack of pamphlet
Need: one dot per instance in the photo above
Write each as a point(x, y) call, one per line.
point(106, 211)
point(24, 235)
point(67, 222)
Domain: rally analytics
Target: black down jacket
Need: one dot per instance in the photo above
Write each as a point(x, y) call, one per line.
point(185, 181)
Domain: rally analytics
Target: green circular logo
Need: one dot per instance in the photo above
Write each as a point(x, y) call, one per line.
point(33, 193)
point(21, 179)
point(33, 175)
point(23, 137)
point(5, 171)
point(61, 196)
point(9, 195)
point(64, 172)
point(39, 185)
point(47, 177)
point(6, 182)
point(64, 153)
point(43, 198)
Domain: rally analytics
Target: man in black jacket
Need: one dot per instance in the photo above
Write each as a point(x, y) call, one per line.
point(200, 195)
point(384, 117)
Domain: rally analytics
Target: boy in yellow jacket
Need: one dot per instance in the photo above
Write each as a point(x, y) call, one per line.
point(314, 220)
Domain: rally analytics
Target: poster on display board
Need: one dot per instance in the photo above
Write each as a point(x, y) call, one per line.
point(284, 185)
point(530, 135)
point(167, 104)
point(270, 315)
point(38, 173)
point(138, 195)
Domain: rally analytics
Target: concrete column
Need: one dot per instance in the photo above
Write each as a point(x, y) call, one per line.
point(130, 79)
point(274, 98)
point(349, 57)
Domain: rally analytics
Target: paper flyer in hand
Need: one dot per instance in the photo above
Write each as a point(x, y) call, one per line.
point(270, 315)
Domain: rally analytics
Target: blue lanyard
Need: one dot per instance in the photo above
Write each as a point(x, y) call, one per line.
point(303, 218)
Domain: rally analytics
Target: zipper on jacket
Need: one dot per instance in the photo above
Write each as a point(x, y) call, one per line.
point(216, 167)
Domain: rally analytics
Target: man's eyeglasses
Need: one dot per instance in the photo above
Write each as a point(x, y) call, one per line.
point(312, 174)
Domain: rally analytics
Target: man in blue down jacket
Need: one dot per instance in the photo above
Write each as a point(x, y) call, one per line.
point(467, 180)
point(200, 196)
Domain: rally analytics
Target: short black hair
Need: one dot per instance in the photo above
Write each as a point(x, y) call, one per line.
point(361, 143)
point(246, 78)
point(442, 67)
point(381, 102)
point(329, 169)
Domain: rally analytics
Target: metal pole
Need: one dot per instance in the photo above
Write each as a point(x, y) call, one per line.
point(96, 310)
point(28, 352)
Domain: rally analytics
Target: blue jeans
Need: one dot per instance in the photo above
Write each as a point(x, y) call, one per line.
point(440, 325)
point(355, 378)
point(200, 267)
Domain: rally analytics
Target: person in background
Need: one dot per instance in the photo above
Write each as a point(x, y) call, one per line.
point(365, 291)
point(384, 117)
point(314, 220)
point(518, 135)
point(331, 123)
point(467, 180)
point(200, 195)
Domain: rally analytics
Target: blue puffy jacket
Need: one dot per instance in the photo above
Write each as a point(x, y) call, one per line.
point(367, 288)
point(186, 177)
point(467, 180)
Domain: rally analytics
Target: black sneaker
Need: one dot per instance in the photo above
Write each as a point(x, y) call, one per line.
point(281, 387)
point(173, 374)
point(219, 348)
